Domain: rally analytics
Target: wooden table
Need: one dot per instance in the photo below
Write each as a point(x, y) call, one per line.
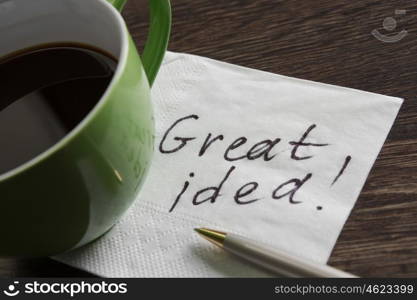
point(328, 41)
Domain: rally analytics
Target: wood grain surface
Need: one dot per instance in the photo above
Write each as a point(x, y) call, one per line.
point(328, 41)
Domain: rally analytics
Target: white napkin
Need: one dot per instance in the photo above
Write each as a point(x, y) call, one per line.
point(300, 153)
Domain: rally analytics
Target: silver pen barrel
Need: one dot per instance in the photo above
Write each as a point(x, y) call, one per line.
point(277, 261)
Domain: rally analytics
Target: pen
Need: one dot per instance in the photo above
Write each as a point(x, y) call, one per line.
point(271, 259)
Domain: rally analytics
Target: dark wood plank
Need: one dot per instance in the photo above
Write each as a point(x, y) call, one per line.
point(328, 41)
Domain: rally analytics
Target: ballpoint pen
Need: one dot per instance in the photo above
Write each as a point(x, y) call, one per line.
point(272, 259)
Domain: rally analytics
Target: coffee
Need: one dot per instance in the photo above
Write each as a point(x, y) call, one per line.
point(45, 92)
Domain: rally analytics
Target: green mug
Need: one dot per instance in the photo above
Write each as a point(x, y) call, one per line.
point(75, 191)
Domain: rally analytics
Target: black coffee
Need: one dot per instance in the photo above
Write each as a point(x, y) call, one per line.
point(45, 92)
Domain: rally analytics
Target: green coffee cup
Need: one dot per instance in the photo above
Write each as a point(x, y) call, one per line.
point(75, 191)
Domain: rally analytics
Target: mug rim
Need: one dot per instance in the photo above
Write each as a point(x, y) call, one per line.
point(123, 56)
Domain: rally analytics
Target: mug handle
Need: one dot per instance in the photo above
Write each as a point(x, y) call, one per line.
point(158, 36)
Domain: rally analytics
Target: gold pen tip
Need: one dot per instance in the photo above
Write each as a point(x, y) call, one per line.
point(199, 230)
point(213, 236)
